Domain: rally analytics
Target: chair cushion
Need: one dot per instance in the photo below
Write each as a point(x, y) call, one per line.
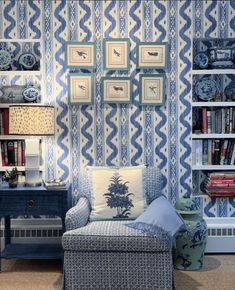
point(153, 184)
point(117, 193)
point(113, 236)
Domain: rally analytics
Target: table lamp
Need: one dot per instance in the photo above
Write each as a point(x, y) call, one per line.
point(32, 120)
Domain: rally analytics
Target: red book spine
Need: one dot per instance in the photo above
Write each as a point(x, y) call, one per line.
point(11, 153)
point(221, 194)
point(6, 122)
point(204, 121)
point(219, 178)
point(3, 155)
point(221, 183)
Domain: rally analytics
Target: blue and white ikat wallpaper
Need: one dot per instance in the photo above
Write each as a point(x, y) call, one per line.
point(120, 134)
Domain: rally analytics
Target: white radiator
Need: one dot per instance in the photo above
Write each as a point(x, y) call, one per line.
point(221, 235)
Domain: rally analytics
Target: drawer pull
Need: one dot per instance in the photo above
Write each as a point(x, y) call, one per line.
point(31, 203)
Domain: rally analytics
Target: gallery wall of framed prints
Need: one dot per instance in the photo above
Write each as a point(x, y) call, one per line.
point(116, 59)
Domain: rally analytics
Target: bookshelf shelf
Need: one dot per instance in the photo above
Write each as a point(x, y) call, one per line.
point(35, 73)
point(19, 168)
point(213, 136)
point(20, 40)
point(213, 167)
point(14, 137)
point(6, 105)
point(213, 104)
point(213, 71)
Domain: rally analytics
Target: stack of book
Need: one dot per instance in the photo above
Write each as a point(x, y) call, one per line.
point(221, 184)
point(55, 184)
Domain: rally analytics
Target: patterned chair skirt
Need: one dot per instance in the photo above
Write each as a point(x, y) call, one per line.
point(110, 255)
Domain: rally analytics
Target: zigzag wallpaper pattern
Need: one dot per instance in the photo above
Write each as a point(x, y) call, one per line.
point(120, 134)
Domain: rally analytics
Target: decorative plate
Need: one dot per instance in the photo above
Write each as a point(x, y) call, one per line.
point(205, 89)
point(27, 60)
point(5, 59)
point(31, 94)
point(201, 60)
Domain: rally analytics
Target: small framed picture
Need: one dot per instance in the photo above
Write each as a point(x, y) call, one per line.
point(116, 89)
point(81, 88)
point(151, 55)
point(80, 55)
point(152, 89)
point(116, 54)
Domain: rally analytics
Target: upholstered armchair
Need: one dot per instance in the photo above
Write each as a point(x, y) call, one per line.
point(110, 255)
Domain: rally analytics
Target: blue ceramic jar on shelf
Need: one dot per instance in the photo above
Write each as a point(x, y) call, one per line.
point(191, 241)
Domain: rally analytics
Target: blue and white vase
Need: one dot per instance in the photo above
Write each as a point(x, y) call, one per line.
point(191, 241)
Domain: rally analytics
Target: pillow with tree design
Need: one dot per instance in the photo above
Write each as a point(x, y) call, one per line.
point(116, 193)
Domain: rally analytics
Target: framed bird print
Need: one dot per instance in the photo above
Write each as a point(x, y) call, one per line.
point(151, 55)
point(81, 88)
point(80, 55)
point(116, 89)
point(152, 89)
point(116, 54)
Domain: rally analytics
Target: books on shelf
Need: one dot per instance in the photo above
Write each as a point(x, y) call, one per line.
point(55, 184)
point(12, 153)
point(220, 184)
point(213, 152)
point(214, 120)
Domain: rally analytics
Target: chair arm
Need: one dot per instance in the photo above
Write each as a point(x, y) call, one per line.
point(78, 215)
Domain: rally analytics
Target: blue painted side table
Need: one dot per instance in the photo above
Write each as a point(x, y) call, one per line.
point(32, 201)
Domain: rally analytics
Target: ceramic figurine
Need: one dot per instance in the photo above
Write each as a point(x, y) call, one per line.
point(222, 57)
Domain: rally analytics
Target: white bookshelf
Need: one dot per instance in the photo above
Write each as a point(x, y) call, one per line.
point(37, 77)
point(200, 171)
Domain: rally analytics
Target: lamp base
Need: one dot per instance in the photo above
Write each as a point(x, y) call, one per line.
point(33, 184)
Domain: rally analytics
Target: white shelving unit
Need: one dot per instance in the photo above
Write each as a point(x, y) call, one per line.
point(36, 76)
point(201, 44)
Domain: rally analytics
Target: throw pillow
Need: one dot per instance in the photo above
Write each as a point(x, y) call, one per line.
point(160, 215)
point(116, 193)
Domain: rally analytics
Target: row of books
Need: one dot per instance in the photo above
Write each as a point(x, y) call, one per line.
point(4, 122)
point(220, 184)
point(213, 152)
point(12, 153)
point(219, 120)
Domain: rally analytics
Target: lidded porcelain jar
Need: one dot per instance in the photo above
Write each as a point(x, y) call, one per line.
point(190, 241)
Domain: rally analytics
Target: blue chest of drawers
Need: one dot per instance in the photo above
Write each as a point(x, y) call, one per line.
point(32, 201)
